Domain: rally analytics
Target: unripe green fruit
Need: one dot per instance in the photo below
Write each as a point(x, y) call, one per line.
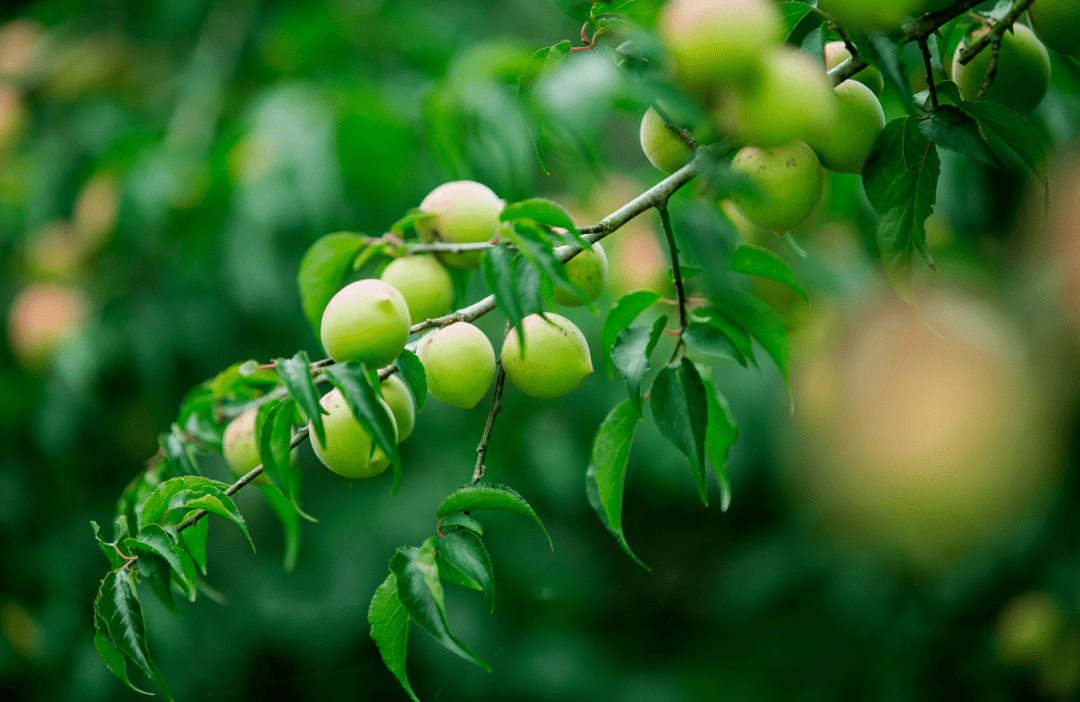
point(1057, 22)
point(241, 448)
point(401, 403)
point(466, 212)
point(792, 99)
point(588, 271)
point(366, 321)
point(459, 362)
point(1028, 628)
point(662, 146)
point(870, 14)
point(425, 284)
point(788, 183)
point(555, 359)
point(1023, 70)
point(846, 146)
point(349, 450)
point(717, 42)
point(836, 53)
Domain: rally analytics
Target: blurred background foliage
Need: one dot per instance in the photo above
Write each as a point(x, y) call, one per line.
point(911, 531)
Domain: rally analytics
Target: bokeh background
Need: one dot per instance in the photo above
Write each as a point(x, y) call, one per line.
point(910, 532)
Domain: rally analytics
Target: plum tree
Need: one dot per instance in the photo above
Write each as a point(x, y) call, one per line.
point(366, 321)
point(1023, 70)
point(846, 146)
point(836, 53)
point(401, 403)
point(663, 147)
point(41, 318)
point(425, 284)
point(791, 100)
point(240, 447)
point(787, 184)
point(466, 211)
point(871, 14)
point(716, 43)
point(1057, 22)
point(555, 358)
point(460, 364)
point(588, 271)
point(349, 450)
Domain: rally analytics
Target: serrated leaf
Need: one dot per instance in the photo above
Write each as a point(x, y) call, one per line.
point(899, 148)
point(681, 413)
point(217, 502)
point(606, 476)
point(194, 540)
point(107, 548)
point(541, 60)
point(323, 270)
point(622, 315)
point(421, 593)
point(289, 517)
point(762, 323)
point(720, 436)
point(1016, 132)
point(120, 613)
point(157, 572)
point(363, 399)
point(901, 230)
point(630, 355)
point(954, 129)
point(178, 453)
point(708, 340)
point(464, 550)
point(114, 660)
point(756, 260)
point(390, 630)
point(541, 253)
point(738, 336)
point(497, 266)
point(463, 521)
point(413, 374)
point(295, 373)
point(273, 432)
point(545, 212)
point(153, 539)
point(159, 502)
point(488, 496)
point(791, 13)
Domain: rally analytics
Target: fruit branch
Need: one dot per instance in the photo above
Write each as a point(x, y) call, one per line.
point(683, 134)
point(676, 271)
point(928, 66)
point(995, 34)
point(496, 407)
point(992, 68)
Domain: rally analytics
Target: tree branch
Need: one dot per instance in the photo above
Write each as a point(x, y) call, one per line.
point(928, 66)
point(496, 407)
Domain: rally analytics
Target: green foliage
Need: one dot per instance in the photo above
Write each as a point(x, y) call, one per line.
point(322, 272)
point(606, 476)
point(362, 394)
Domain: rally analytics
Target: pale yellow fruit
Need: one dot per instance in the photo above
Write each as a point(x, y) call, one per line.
point(792, 99)
point(349, 450)
point(466, 211)
point(460, 364)
point(663, 147)
point(1023, 70)
point(717, 42)
point(366, 321)
point(787, 180)
point(425, 284)
point(554, 361)
point(846, 146)
point(42, 318)
point(588, 271)
point(241, 448)
point(836, 53)
point(401, 403)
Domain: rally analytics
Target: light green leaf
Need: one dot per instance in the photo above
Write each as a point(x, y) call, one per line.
point(295, 372)
point(323, 270)
point(390, 630)
point(464, 550)
point(756, 260)
point(488, 496)
point(606, 475)
point(622, 315)
point(681, 413)
point(412, 372)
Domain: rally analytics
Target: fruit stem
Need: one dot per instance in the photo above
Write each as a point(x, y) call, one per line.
point(676, 271)
point(496, 407)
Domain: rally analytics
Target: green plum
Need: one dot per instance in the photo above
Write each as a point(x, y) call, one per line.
point(1057, 22)
point(555, 359)
point(425, 284)
point(836, 53)
point(349, 450)
point(366, 321)
point(663, 147)
point(871, 14)
point(847, 145)
point(466, 212)
point(400, 400)
point(1023, 70)
point(787, 180)
point(460, 364)
point(588, 271)
point(241, 448)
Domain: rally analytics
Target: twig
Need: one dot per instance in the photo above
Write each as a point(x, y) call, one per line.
point(992, 68)
point(676, 272)
point(966, 55)
point(496, 407)
point(928, 66)
point(683, 134)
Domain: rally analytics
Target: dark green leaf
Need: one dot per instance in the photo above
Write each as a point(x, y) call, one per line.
point(631, 352)
point(390, 630)
point(882, 52)
point(461, 520)
point(899, 148)
point(709, 340)
point(157, 572)
point(814, 44)
point(117, 606)
point(178, 452)
point(541, 253)
point(761, 322)
point(114, 660)
point(729, 328)
point(1012, 129)
point(159, 501)
point(497, 265)
point(464, 550)
point(421, 592)
point(622, 315)
point(412, 372)
point(323, 270)
point(791, 13)
point(363, 398)
point(952, 128)
point(578, 9)
point(290, 523)
point(681, 412)
point(901, 221)
point(107, 547)
point(606, 476)
point(759, 261)
point(488, 496)
point(217, 502)
point(719, 438)
point(544, 212)
point(295, 372)
point(540, 60)
point(273, 431)
point(194, 540)
point(153, 539)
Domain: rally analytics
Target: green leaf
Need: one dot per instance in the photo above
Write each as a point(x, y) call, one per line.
point(421, 592)
point(178, 452)
point(762, 323)
point(813, 44)
point(411, 220)
point(107, 547)
point(363, 397)
point(545, 212)
point(159, 502)
point(901, 222)
point(289, 517)
point(412, 372)
point(157, 572)
point(622, 315)
point(295, 372)
point(738, 336)
point(273, 432)
point(488, 496)
point(720, 436)
point(580, 10)
point(631, 352)
point(541, 60)
point(194, 540)
point(882, 52)
point(708, 340)
point(756, 260)
point(217, 502)
point(113, 659)
point(497, 266)
point(541, 253)
point(464, 550)
point(461, 520)
point(1012, 129)
point(954, 129)
point(153, 539)
point(323, 270)
point(681, 412)
point(390, 630)
point(120, 613)
point(791, 13)
point(899, 148)
point(606, 475)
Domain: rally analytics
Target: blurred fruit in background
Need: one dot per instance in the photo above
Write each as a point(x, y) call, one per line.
point(43, 317)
